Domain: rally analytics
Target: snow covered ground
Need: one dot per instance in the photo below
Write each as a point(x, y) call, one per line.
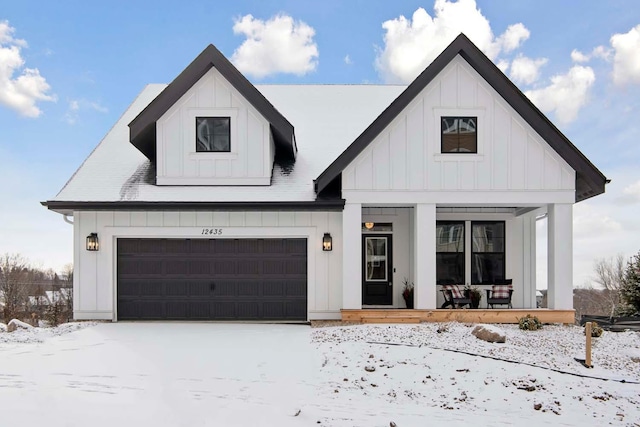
point(211, 374)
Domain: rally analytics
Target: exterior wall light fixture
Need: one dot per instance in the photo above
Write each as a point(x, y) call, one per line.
point(92, 242)
point(327, 243)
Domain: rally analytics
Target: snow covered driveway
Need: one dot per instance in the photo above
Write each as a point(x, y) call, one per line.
point(216, 374)
point(159, 374)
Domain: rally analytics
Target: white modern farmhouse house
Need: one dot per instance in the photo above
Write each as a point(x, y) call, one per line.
point(212, 198)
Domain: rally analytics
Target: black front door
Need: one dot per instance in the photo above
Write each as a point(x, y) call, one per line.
point(377, 269)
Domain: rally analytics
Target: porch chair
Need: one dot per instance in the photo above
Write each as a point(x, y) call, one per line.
point(453, 296)
point(500, 293)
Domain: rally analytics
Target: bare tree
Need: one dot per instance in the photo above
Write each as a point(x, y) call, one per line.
point(14, 281)
point(609, 275)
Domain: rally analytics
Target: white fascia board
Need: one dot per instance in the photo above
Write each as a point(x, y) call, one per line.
point(461, 198)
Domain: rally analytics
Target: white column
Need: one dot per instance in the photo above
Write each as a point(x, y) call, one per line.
point(528, 260)
point(560, 256)
point(352, 256)
point(425, 252)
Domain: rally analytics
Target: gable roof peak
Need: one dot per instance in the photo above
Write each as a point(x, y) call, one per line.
point(142, 129)
point(589, 180)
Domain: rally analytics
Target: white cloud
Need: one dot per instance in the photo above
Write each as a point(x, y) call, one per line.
point(602, 53)
point(412, 44)
point(566, 94)
point(526, 70)
point(577, 56)
point(597, 52)
point(630, 194)
point(20, 88)
point(626, 59)
point(347, 60)
point(75, 105)
point(590, 222)
point(279, 45)
point(513, 37)
point(503, 65)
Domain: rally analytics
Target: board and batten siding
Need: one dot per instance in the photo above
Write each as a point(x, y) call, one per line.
point(250, 160)
point(95, 278)
point(512, 158)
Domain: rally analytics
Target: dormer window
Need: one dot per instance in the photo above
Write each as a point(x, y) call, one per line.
point(213, 134)
point(459, 135)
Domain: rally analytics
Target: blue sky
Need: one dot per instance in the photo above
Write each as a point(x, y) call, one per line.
point(579, 61)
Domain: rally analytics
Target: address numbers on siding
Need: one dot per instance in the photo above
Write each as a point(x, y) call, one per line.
point(212, 231)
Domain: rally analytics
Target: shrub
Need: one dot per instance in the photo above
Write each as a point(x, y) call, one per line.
point(596, 331)
point(529, 323)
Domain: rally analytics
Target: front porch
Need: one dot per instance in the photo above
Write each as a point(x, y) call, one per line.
point(387, 245)
point(457, 315)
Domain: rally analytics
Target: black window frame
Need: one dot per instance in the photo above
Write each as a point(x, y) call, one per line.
point(460, 255)
point(228, 134)
point(442, 134)
point(502, 274)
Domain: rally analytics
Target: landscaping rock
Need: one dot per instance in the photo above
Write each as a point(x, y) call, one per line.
point(14, 324)
point(489, 333)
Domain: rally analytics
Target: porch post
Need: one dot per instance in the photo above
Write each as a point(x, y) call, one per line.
point(352, 256)
point(425, 252)
point(560, 256)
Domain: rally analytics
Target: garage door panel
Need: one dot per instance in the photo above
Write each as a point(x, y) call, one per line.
point(223, 267)
point(177, 310)
point(296, 246)
point(296, 288)
point(176, 288)
point(224, 246)
point(249, 246)
point(249, 266)
point(199, 310)
point(273, 288)
point(229, 279)
point(199, 266)
point(246, 288)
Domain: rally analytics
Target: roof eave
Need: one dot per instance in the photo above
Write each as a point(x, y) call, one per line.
point(315, 205)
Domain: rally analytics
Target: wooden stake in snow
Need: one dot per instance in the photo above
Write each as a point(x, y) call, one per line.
point(587, 332)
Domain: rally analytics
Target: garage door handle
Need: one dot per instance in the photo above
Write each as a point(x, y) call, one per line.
point(212, 287)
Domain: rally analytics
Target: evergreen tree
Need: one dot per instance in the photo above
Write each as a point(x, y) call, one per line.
point(630, 289)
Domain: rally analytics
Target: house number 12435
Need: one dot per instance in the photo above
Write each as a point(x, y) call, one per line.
point(212, 231)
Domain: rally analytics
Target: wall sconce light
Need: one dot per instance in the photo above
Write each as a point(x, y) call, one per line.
point(92, 242)
point(369, 225)
point(327, 243)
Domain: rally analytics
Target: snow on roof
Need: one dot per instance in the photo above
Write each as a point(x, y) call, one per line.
point(327, 118)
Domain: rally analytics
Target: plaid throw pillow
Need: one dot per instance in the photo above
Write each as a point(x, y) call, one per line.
point(500, 291)
point(455, 290)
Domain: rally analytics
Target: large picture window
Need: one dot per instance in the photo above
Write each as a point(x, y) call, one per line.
point(459, 135)
point(487, 251)
point(450, 251)
point(213, 134)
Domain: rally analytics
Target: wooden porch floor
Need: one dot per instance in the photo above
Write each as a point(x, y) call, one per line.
point(459, 315)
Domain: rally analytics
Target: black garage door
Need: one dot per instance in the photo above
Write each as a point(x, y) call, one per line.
point(223, 279)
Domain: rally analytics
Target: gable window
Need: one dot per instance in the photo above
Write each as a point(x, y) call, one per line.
point(459, 134)
point(213, 134)
point(487, 251)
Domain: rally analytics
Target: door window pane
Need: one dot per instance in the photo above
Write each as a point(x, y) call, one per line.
point(376, 258)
